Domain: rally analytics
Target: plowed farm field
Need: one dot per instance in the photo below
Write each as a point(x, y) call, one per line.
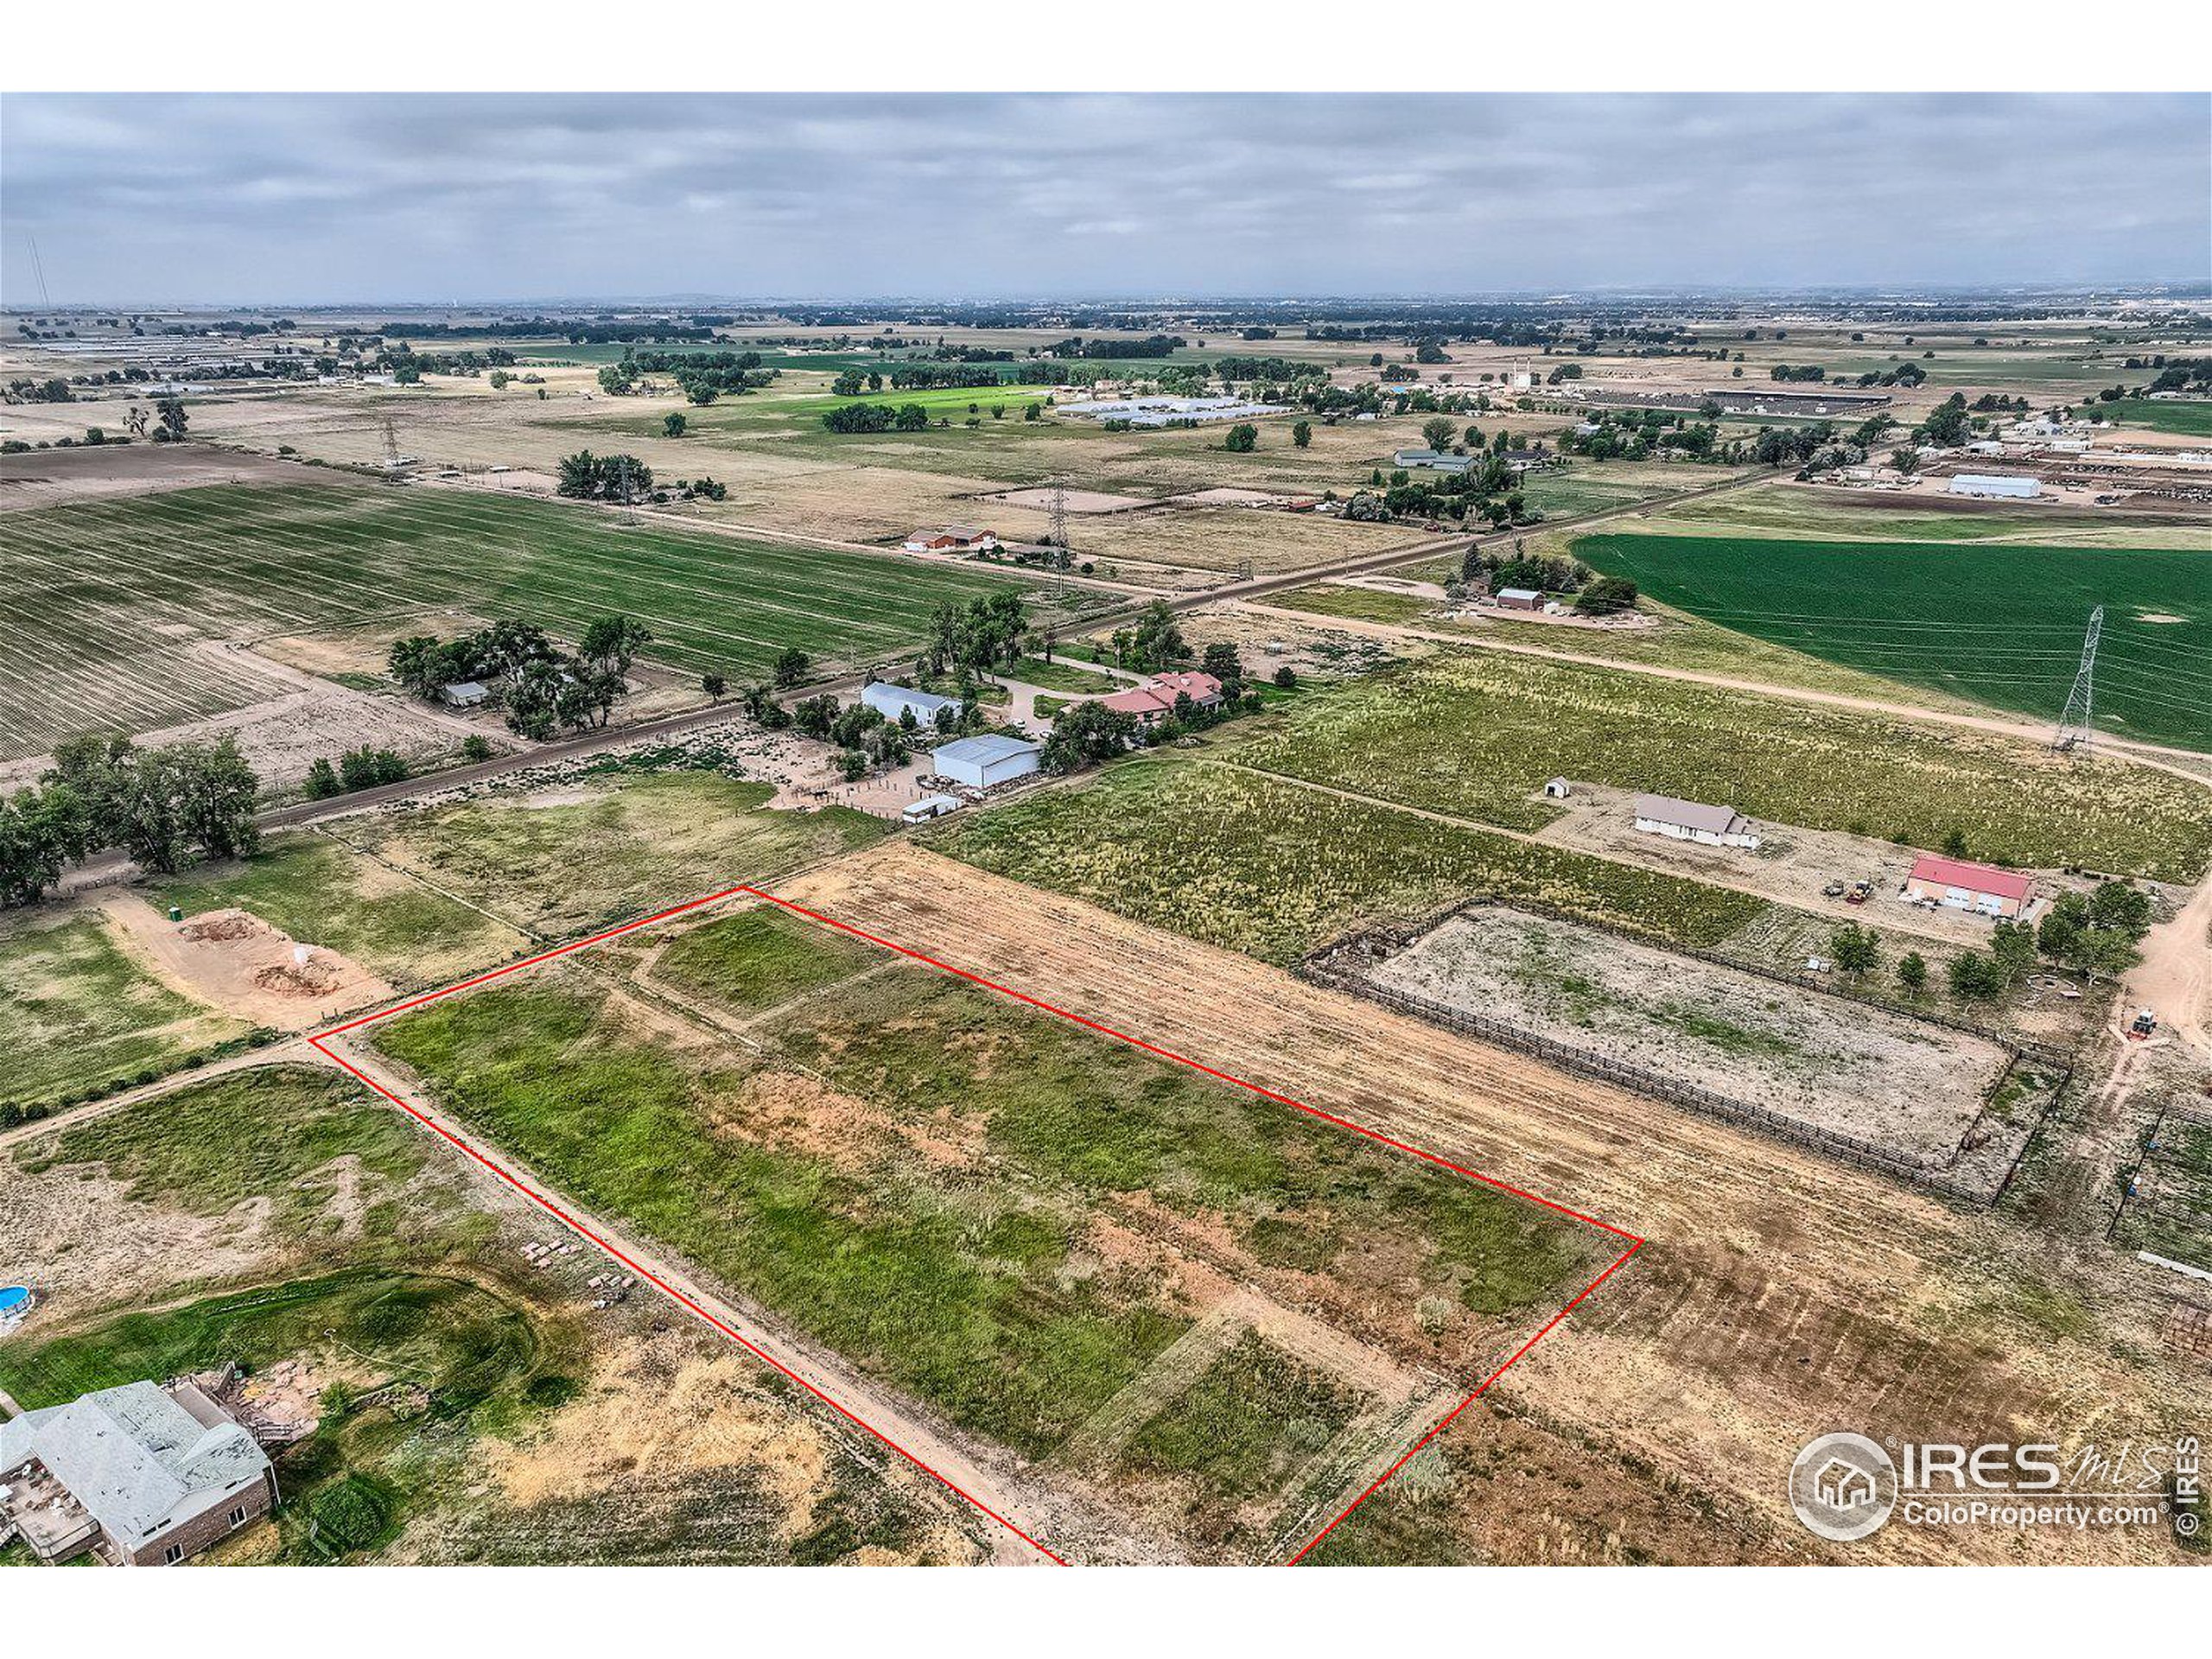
point(124, 612)
point(1777, 1297)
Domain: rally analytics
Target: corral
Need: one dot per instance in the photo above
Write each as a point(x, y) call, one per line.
point(1910, 1088)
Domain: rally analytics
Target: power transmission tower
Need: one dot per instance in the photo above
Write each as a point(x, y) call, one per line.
point(391, 456)
point(628, 516)
point(2077, 724)
point(1059, 535)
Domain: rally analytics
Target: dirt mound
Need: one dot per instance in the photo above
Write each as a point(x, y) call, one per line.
point(294, 979)
point(222, 926)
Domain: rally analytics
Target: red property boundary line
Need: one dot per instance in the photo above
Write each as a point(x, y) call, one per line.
point(317, 1040)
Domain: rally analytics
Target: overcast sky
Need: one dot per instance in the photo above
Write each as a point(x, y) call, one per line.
point(279, 199)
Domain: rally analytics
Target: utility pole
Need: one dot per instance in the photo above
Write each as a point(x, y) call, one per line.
point(2078, 723)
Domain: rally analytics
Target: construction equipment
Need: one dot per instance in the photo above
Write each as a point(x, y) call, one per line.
point(2145, 1023)
point(1860, 894)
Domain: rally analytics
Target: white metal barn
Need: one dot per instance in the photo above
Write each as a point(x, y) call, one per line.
point(893, 701)
point(1713, 826)
point(1995, 484)
point(981, 762)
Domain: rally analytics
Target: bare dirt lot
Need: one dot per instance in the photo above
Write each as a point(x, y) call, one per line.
point(240, 964)
point(1902, 1083)
point(1777, 1296)
point(52, 478)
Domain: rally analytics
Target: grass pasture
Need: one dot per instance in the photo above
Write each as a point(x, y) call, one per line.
point(1476, 733)
point(566, 863)
point(2190, 419)
point(316, 888)
point(76, 1012)
point(1999, 624)
point(114, 606)
point(985, 1205)
point(1263, 865)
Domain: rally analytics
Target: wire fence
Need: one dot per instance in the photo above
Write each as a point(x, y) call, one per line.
point(1342, 964)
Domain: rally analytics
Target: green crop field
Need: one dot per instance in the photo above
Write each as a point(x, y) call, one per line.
point(1999, 624)
point(1476, 733)
point(2190, 419)
point(109, 605)
point(1265, 866)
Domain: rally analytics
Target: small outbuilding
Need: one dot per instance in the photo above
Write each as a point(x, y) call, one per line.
point(893, 701)
point(1711, 826)
point(928, 807)
point(463, 694)
point(985, 762)
point(1557, 790)
point(1957, 884)
point(1519, 599)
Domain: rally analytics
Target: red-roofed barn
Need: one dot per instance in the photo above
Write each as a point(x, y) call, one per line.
point(1963, 886)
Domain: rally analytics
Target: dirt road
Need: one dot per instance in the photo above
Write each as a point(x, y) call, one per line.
point(2174, 979)
point(1780, 1297)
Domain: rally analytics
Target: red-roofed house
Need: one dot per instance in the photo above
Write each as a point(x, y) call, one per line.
point(1154, 700)
point(953, 538)
point(1962, 886)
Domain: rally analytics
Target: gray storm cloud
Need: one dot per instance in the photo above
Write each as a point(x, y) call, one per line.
point(276, 199)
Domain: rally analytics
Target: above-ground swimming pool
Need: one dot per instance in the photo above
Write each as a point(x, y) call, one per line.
point(14, 1299)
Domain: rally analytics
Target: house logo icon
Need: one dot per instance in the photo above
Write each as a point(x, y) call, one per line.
point(1843, 1487)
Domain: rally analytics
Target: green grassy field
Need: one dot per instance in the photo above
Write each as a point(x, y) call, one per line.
point(620, 845)
point(1265, 866)
point(76, 1011)
point(2000, 624)
point(102, 600)
point(1476, 733)
point(2190, 419)
point(759, 958)
point(972, 1274)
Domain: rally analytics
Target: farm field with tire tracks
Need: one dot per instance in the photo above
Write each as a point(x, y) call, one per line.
point(1999, 623)
point(121, 611)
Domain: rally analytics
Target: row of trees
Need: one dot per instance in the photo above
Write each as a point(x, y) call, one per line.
point(166, 807)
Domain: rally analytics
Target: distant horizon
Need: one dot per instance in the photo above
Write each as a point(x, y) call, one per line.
point(162, 201)
point(2179, 289)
